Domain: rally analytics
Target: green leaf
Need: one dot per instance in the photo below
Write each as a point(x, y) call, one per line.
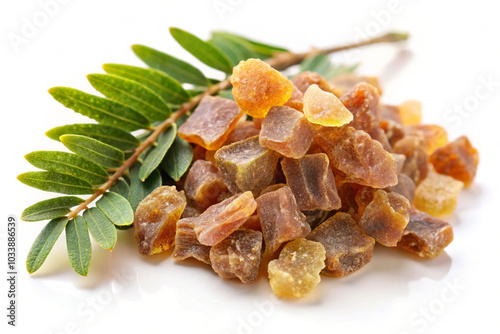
point(120, 187)
point(132, 94)
point(341, 69)
point(101, 228)
point(107, 134)
point(138, 189)
point(321, 64)
point(177, 159)
point(176, 68)
point(50, 209)
point(44, 243)
point(258, 47)
point(116, 208)
point(227, 94)
point(78, 245)
point(104, 111)
point(202, 50)
point(236, 50)
point(67, 163)
point(165, 86)
point(94, 150)
point(56, 182)
point(155, 156)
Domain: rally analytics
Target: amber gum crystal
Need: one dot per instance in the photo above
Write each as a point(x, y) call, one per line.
point(347, 247)
point(257, 87)
point(306, 79)
point(458, 159)
point(247, 166)
point(416, 164)
point(186, 244)
point(437, 194)
point(296, 100)
point(425, 235)
point(345, 82)
point(204, 184)
point(410, 112)
point(312, 182)
point(324, 108)
point(363, 102)
point(280, 218)
point(222, 115)
point(357, 157)
point(155, 220)
point(386, 217)
point(286, 131)
point(297, 270)
point(238, 256)
point(220, 220)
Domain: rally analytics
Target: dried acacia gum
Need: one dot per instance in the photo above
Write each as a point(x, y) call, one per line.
point(204, 184)
point(222, 219)
point(458, 159)
point(347, 247)
point(257, 87)
point(414, 148)
point(242, 131)
point(434, 135)
point(296, 100)
point(297, 270)
point(238, 256)
point(286, 131)
point(304, 80)
point(247, 166)
point(186, 243)
point(425, 235)
point(410, 112)
point(280, 218)
point(363, 102)
point(357, 157)
point(312, 182)
point(345, 82)
point(437, 194)
point(155, 220)
point(222, 115)
point(386, 217)
point(324, 108)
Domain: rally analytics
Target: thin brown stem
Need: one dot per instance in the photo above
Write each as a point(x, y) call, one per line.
point(280, 61)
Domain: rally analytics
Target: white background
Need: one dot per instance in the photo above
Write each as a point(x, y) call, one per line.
point(454, 47)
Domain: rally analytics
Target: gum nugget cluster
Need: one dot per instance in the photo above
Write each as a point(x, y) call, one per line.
point(322, 173)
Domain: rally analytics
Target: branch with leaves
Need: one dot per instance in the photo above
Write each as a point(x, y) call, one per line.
point(119, 168)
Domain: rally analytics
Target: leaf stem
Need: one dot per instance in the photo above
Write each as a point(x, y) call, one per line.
point(280, 61)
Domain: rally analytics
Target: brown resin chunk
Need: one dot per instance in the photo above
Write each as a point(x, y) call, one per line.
point(324, 108)
point(389, 113)
point(253, 223)
point(296, 272)
point(362, 102)
point(434, 135)
point(347, 193)
point(211, 122)
point(405, 187)
point(222, 219)
point(306, 79)
point(312, 182)
point(426, 236)
point(246, 165)
point(316, 217)
point(345, 82)
point(242, 131)
point(186, 244)
point(204, 184)
point(347, 247)
point(416, 164)
point(393, 131)
point(400, 161)
point(272, 188)
point(258, 87)
point(357, 157)
point(280, 218)
point(437, 194)
point(386, 217)
point(296, 101)
point(458, 159)
point(191, 210)
point(286, 131)
point(156, 218)
point(238, 256)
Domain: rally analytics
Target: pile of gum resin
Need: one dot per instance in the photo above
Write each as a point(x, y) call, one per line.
point(321, 173)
